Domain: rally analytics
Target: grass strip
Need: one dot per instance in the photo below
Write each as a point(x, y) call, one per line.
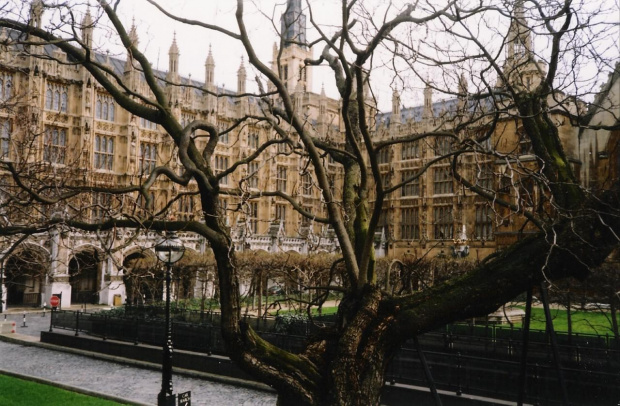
point(20, 392)
point(583, 322)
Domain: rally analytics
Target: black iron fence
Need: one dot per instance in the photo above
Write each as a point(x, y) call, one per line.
point(480, 360)
point(498, 378)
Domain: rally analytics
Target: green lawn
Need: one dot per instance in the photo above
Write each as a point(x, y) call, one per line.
point(588, 322)
point(19, 392)
point(315, 312)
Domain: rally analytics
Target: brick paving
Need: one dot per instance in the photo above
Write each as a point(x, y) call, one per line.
point(114, 379)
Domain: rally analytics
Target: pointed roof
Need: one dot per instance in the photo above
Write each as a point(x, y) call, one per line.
point(293, 24)
point(87, 21)
point(210, 61)
point(133, 33)
point(174, 49)
point(241, 70)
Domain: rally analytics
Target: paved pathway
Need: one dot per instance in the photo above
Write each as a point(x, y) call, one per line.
point(132, 383)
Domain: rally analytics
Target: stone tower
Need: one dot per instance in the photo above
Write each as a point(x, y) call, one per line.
point(294, 48)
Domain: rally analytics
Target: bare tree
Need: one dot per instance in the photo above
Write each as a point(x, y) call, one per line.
point(574, 229)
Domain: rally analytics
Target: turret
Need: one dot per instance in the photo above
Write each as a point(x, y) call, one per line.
point(241, 78)
point(463, 90)
point(395, 119)
point(133, 38)
point(36, 13)
point(428, 101)
point(87, 30)
point(294, 48)
point(209, 70)
point(519, 38)
point(173, 60)
point(293, 25)
point(521, 67)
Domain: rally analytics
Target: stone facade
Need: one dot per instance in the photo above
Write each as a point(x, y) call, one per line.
point(56, 114)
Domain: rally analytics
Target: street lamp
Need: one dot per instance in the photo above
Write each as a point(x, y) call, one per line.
point(169, 250)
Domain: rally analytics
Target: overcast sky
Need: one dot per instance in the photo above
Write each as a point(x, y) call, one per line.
point(156, 32)
point(262, 17)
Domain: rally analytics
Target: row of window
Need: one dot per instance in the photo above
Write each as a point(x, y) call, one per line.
point(412, 150)
point(55, 146)
point(443, 223)
point(56, 99)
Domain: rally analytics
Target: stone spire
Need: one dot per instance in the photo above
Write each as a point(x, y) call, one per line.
point(463, 90)
point(241, 78)
point(209, 70)
point(521, 68)
point(173, 61)
point(36, 13)
point(87, 30)
point(463, 87)
point(519, 38)
point(395, 119)
point(133, 33)
point(428, 101)
point(133, 38)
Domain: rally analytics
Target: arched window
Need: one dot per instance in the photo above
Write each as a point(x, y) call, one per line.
point(56, 97)
point(5, 138)
point(63, 102)
point(111, 111)
point(104, 152)
point(104, 109)
point(56, 105)
point(6, 83)
point(48, 98)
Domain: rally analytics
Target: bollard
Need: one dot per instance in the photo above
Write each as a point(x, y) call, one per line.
point(459, 390)
point(44, 306)
point(24, 325)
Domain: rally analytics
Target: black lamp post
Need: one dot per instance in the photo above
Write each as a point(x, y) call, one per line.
point(169, 250)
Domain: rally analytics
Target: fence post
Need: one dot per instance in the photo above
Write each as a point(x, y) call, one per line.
point(459, 390)
point(51, 318)
point(136, 323)
point(427, 372)
point(554, 343)
point(536, 388)
point(77, 323)
point(524, 350)
point(105, 327)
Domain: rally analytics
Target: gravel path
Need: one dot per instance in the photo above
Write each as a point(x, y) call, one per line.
point(136, 384)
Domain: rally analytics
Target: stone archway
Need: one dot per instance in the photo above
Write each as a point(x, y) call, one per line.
point(84, 277)
point(24, 276)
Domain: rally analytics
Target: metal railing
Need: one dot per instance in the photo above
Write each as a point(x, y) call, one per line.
point(481, 361)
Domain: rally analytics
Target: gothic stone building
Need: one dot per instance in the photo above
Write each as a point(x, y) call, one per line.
point(55, 119)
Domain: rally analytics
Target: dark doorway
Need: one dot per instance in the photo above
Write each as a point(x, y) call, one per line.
point(83, 276)
point(23, 274)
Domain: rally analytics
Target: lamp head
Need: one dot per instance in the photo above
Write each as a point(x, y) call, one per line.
point(169, 249)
